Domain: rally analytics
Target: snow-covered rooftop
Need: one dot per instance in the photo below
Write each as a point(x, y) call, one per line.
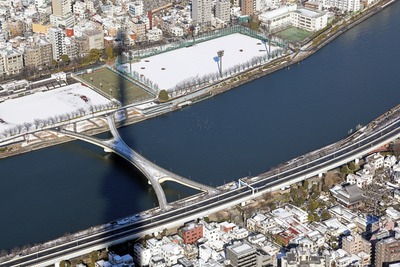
point(43, 105)
point(170, 68)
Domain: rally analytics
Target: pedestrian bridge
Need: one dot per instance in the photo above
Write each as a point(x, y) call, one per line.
point(154, 173)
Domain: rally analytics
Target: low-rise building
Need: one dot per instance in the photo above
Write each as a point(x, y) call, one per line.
point(154, 35)
point(306, 19)
point(299, 214)
point(142, 255)
point(191, 232)
point(302, 257)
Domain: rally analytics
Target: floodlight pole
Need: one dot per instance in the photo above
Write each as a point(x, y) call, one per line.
point(220, 54)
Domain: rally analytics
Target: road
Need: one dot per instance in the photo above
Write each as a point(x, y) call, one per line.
point(363, 144)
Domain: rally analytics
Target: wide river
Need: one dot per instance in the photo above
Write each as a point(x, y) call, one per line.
point(245, 131)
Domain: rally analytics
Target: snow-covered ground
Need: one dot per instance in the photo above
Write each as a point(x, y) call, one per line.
point(170, 68)
point(49, 104)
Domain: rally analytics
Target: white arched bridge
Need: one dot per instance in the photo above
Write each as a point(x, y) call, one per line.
point(154, 173)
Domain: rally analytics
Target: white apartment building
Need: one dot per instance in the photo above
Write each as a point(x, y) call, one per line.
point(70, 48)
point(201, 11)
point(176, 31)
point(57, 39)
point(376, 160)
point(39, 3)
point(361, 178)
point(299, 214)
point(154, 35)
point(239, 233)
point(67, 21)
point(344, 5)
point(141, 255)
point(171, 252)
point(136, 8)
point(2, 67)
point(92, 5)
point(79, 8)
point(211, 231)
point(223, 10)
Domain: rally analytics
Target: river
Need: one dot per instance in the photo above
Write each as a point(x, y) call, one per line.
point(246, 131)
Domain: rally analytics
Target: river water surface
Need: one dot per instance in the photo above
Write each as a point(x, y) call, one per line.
point(245, 131)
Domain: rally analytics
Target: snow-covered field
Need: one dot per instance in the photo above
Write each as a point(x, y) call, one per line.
point(64, 101)
point(170, 68)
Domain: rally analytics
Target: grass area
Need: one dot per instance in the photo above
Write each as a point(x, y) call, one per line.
point(293, 34)
point(115, 85)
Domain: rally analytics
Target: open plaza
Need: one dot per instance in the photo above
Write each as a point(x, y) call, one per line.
point(168, 69)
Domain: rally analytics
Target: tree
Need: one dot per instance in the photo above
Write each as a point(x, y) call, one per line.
point(305, 184)
point(345, 169)
point(65, 58)
point(64, 263)
point(325, 215)
point(94, 55)
point(94, 256)
point(316, 217)
point(110, 52)
point(312, 205)
point(163, 95)
point(54, 63)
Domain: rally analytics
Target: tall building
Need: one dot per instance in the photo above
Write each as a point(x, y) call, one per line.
point(223, 10)
point(387, 251)
point(136, 8)
point(12, 61)
point(242, 254)
point(38, 54)
point(57, 40)
point(61, 7)
point(247, 7)
point(201, 11)
point(356, 244)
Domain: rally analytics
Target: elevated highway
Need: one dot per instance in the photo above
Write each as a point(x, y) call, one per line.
point(379, 132)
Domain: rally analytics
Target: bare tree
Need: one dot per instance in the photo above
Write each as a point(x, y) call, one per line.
point(27, 125)
point(3, 253)
point(19, 128)
point(36, 122)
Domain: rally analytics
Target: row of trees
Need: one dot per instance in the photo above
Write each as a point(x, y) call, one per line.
point(190, 84)
point(146, 81)
point(41, 123)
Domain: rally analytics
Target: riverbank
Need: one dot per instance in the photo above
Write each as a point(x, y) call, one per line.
point(222, 86)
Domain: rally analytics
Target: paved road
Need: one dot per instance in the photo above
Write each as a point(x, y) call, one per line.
point(265, 181)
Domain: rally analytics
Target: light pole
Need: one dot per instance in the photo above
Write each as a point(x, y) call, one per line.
point(220, 54)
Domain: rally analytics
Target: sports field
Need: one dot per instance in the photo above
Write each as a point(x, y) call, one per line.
point(115, 85)
point(293, 34)
point(199, 60)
